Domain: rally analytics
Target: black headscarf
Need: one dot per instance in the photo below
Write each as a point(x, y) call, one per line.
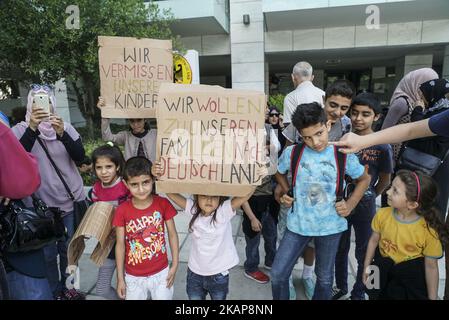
point(434, 90)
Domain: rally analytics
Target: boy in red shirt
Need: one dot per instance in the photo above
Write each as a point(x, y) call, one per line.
point(141, 252)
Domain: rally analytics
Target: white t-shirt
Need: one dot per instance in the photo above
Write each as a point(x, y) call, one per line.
point(212, 250)
point(306, 92)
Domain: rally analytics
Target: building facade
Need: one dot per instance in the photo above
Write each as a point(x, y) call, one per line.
point(254, 44)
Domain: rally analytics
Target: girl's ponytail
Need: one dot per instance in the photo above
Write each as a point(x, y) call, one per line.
point(422, 188)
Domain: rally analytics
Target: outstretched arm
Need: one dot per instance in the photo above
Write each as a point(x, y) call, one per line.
point(156, 170)
point(237, 202)
point(106, 132)
point(174, 249)
point(178, 199)
point(351, 142)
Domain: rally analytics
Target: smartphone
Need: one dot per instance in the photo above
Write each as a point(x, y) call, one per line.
point(42, 101)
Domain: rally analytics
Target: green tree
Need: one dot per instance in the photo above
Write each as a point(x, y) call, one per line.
point(37, 45)
point(278, 101)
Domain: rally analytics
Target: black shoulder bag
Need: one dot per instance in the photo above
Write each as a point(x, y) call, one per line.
point(414, 159)
point(25, 229)
point(79, 207)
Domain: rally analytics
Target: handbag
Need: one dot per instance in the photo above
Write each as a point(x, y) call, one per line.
point(413, 159)
point(25, 229)
point(79, 207)
point(79, 210)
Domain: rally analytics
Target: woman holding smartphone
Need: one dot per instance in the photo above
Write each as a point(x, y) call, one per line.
point(65, 148)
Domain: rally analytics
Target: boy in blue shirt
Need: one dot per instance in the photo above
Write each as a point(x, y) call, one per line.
point(315, 212)
point(365, 109)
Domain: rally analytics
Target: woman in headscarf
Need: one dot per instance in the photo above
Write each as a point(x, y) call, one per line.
point(65, 148)
point(403, 100)
point(274, 118)
point(434, 102)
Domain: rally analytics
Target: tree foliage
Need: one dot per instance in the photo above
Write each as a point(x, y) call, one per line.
point(36, 45)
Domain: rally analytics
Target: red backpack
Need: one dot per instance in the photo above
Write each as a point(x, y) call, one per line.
point(341, 191)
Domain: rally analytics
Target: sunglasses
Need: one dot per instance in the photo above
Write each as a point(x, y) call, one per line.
point(41, 87)
point(274, 115)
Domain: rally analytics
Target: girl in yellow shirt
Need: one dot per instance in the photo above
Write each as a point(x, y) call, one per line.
point(409, 236)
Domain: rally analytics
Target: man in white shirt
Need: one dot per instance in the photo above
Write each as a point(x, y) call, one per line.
point(305, 91)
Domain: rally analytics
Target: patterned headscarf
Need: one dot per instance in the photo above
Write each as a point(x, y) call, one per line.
point(434, 90)
point(409, 84)
point(45, 127)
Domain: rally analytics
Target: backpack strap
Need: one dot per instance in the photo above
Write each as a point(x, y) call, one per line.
point(295, 158)
point(340, 160)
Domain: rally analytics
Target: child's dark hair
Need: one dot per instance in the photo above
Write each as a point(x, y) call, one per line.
point(342, 88)
point(137, 166)
point(307, 115)
point(146, 126)
point(196, 210)
point(112, 152)
point(368, 99)
point(87, 161)
point(426, 203)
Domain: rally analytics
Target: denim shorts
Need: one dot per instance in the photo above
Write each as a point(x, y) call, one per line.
point(198, 286)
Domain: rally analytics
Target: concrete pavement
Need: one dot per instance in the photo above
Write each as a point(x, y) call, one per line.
point(240, 287)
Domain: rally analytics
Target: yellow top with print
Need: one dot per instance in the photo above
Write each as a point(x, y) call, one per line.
point(402, 241)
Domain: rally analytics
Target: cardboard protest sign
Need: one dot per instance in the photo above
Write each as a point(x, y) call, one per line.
point(97, 223)
point(131, 72)
point(210, 140)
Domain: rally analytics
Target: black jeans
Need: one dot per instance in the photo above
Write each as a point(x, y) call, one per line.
point(360, 219)
point(261, 206)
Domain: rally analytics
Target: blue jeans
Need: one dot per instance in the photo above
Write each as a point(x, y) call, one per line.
point(199, 286)
point(360, 219)
point(290, 249)
point(22, 287)
point(51, 253)
point(269, 233)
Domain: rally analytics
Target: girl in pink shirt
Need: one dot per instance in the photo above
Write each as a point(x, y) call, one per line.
point(108, 163)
